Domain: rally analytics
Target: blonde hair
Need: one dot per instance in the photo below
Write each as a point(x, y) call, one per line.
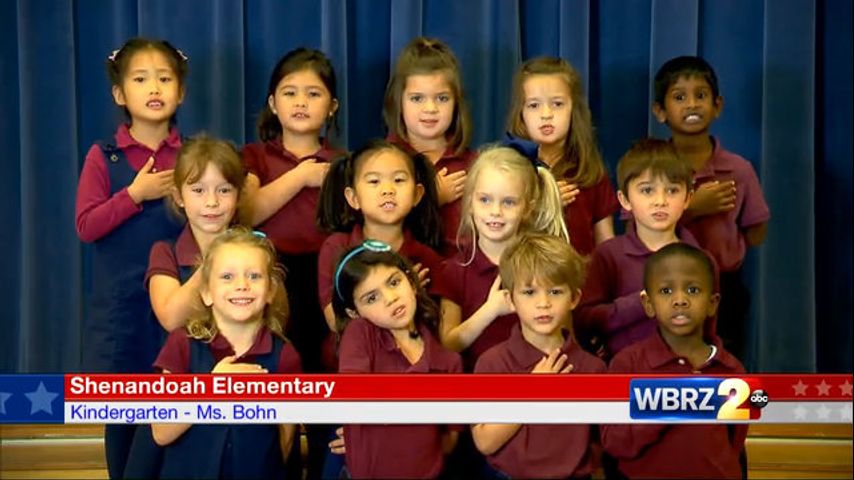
point(543, 208)
point(425, 56)
point(202, 326)
point(581, 155)
point(194, 157)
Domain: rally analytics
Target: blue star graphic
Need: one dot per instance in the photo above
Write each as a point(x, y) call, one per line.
point(3, 397)
point(41, 399)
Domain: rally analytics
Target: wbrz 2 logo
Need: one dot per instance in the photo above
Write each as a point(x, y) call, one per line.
point(695, 398)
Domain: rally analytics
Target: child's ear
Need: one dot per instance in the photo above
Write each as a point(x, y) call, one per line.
point(352, 199)
point(333, 107)
point(272, 105)
point(624, 201)
point(206, 297)
point(181, 95)
point(647, 304)
point(119, 96)
point(719, 105)
point(351, 313)
point(575, 299)
point(176, 197)
point(714, 302)
point(659, 113)
point(419, 194)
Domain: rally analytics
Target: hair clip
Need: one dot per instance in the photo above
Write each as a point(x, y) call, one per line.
point(259, 234)
point(181, 54)
point(369, 245)
point(527, 148)
point(112, 56)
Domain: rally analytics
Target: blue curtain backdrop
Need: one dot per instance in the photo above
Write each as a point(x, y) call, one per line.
point(784, 68)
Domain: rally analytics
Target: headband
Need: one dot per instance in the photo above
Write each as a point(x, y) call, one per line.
point(527, 148)
point(369, 245)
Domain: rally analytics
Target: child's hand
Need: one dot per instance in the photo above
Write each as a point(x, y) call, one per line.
point(422, 273)
point(568, 192)
point(553, 363)
point(499, 299)
point(312, 172)
point(150, 186)
point(337, 446)
point(713, 197)
point(227, 365)
point(450, 185)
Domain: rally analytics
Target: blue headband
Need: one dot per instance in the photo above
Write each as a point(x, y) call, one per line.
point(527, 148)
point(369, 245)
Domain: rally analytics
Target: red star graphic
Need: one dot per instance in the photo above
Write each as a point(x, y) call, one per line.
point(823, 388)
point(800, 388)
point(845, 388)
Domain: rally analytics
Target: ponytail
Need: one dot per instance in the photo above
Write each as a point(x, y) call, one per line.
point(549, 208)
point(334, 214)
point(424, 220)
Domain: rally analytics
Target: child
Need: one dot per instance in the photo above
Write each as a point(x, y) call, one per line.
point(289, 165)
point(210, 176)
point(425, 112)
point(679, 294)
point(120, 209)
point(390, 322)
point(505, 194)
point(240, 331)
point(655, 187)
point(728, 212)
point(549, 107)
point(544, 276)
point(380, 192)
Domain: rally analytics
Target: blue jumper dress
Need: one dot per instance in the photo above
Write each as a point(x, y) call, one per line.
point(121, 333)
point(226, 451)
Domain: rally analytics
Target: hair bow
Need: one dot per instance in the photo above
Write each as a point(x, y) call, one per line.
point(527, 148)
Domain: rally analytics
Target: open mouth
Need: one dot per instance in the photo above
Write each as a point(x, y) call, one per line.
point(547, 130)
point(399, 311)
point(155, 104)
point(388, 206)
point(680, 320)
point(543, 319)
point(300, 116)
point(494, 225)
point(693, 118)
point(241, 301)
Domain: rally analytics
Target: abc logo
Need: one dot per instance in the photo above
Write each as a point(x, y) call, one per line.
point(759, 398)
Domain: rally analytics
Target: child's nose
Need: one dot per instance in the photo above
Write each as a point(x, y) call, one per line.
point(546, 111)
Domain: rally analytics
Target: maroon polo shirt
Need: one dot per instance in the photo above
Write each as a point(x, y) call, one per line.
point(591, 205)
point(674, 451)
point(451, 212)
point(610, 300)
point(166, 260)
point(293, 229)
point(98, 213)
point(392, 451)
point(468, 286)
point(175, 354)
point(337, 243)
point(722, 234)
point(540, 451)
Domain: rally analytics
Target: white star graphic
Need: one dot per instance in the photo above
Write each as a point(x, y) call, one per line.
point(800, 413)
point(845, 413)
point(41, 399)
point(3, 397)
point(845, 388)
point(823, 412)
point(800, 388)
point(823, 388)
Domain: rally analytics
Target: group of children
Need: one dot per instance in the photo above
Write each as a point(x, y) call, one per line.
point(414, 254)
